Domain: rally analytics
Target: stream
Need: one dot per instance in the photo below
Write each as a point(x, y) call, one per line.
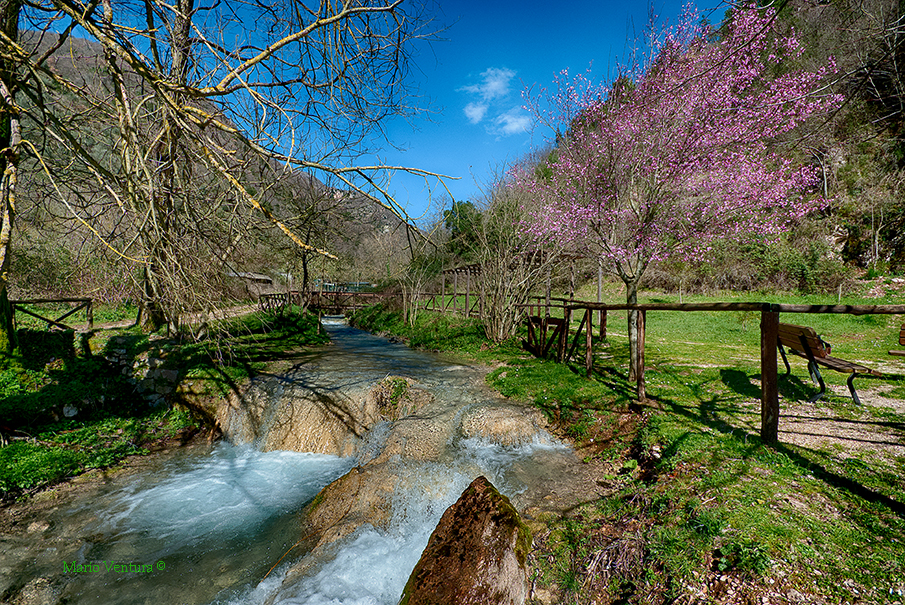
point(214, 524)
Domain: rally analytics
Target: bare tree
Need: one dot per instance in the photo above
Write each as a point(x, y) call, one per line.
point(512, 263)
point(201, 102)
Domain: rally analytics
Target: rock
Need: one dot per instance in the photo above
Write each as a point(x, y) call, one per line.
point(304, 422)
point(70, 410)
point(395, 397)
point(363, 495)
point(415, 439)
point(476, 555)
point(39, 591)
point(502, 424)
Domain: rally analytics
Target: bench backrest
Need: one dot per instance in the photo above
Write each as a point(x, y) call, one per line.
point(797, 337)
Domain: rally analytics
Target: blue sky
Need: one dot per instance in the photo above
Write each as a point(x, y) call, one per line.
point(474, 79)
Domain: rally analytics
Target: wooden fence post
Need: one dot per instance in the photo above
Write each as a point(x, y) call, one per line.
point(564, 335)
point(467, 292)
point(483, 295)
point(455, 292)
point(589, 342)
point(769, 392)
point(642, 394)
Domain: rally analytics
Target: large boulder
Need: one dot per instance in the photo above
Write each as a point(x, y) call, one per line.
point(395, 397)
point(476, 555)
point(301, 420)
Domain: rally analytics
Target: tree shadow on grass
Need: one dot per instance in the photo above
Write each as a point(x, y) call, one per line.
point(792, 389)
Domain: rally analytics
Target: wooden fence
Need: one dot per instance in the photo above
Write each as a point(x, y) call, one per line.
point(549, 331)
point(81, 303)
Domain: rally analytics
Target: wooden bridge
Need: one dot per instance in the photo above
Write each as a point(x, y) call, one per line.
point(328, 303)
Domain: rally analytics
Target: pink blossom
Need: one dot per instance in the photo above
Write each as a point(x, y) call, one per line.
point(683, 150)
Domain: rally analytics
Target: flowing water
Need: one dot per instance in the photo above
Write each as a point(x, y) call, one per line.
point(207, 525)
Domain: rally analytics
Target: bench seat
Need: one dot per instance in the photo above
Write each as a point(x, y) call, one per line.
point(901, 342)
point(804, 342)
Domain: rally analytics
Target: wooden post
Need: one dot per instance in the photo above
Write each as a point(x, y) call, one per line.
point(589, 342)
point(642, 394)
point(564, 335)
point(549, 286)
point(443, 293)
point(467, 292)
point(600, 297)
point(769, 392)
point(455, 292)
point(483, 295)
point(572, 280)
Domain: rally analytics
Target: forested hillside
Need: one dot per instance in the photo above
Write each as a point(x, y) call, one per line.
point(58, 254)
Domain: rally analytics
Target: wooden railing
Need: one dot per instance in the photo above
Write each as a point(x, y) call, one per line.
point(81, 303)
point(332, 302)
point(542, 340)
point(459, 304)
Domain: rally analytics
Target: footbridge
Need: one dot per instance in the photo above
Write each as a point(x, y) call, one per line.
point(328, 303)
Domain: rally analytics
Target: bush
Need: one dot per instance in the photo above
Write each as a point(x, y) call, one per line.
point(803, 265)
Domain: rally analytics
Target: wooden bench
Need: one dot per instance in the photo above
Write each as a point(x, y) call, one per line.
point(804, 342)
point(901, 342)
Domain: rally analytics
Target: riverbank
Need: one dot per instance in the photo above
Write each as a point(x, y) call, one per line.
point(70, 405)
point(697, 509)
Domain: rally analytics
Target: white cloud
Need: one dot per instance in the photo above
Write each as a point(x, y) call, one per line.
point(475, 112)
point(494, 84)
point(490, 97)
point(514, 121)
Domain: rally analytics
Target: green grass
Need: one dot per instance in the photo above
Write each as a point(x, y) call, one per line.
point(694, 492)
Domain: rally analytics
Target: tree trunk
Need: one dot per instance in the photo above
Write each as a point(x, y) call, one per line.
point(631, 298)
point(10, 138)
point(151, 314)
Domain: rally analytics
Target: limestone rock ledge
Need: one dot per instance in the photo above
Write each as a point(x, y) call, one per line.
point(476, 555)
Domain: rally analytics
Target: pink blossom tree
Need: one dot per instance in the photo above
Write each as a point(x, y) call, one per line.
point(682, 150)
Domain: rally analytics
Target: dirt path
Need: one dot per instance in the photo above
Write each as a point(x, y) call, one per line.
point(190, 319)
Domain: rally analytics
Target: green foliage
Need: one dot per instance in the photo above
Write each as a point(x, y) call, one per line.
point(112, 420)
point(27, 465)
point(693, 484)
point(795, 262)
point(435, 332)
point(463, 222)
point(743, 555)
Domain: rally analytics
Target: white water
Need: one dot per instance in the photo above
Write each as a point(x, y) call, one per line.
point(372, 566)
point(198, 527)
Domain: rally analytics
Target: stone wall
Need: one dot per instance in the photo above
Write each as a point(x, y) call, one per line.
point(147, 370)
